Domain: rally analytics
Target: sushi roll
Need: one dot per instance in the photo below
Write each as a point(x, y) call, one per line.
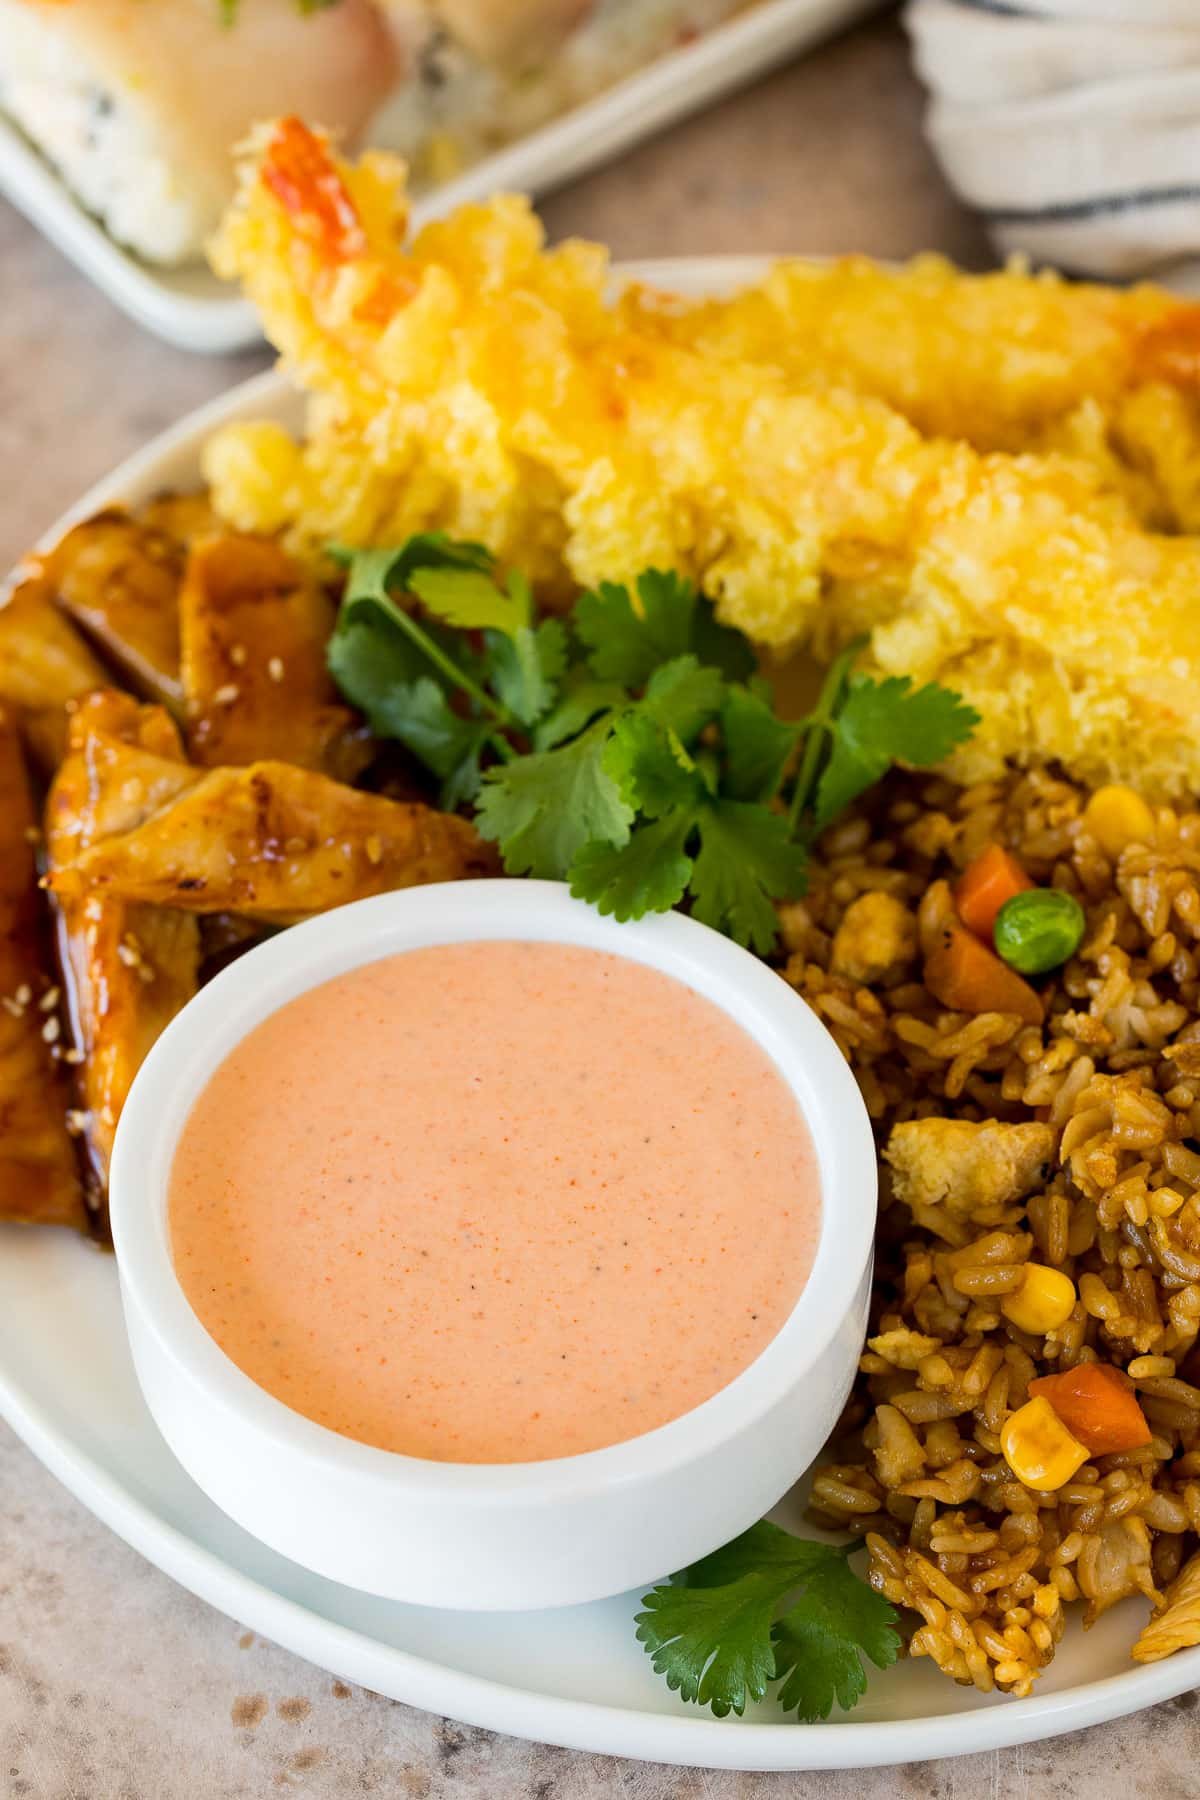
point(487, 72)
point(138, 103)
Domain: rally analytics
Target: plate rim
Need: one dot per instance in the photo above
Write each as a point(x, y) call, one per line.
point(683, 1740)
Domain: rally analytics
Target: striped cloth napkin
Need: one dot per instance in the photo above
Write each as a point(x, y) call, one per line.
point(1073, 126)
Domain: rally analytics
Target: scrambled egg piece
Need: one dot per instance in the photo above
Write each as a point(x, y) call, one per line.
point(950, 1170)
point(481, 383)
point(877, 937)
point(1176, 1623)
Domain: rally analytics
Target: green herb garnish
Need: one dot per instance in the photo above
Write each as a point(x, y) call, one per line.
point(631, 751)
point(228, 9)
point(769, 1608)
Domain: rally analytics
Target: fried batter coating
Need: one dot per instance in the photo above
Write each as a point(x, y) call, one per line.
point(478, 382)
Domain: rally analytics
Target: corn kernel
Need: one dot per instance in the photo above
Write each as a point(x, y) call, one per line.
point(1044, 1301)
point(1039, 1449)
point(1116, 817)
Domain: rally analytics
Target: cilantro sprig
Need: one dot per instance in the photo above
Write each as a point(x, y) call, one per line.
point(227, 10)
point(631, 751)
point(860, 727)
point(769, 1608)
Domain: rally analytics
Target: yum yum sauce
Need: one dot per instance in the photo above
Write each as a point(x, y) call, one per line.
point(495, 1202)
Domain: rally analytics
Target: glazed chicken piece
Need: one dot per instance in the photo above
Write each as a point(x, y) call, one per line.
point(119, 580)
point(39, 1172)
point(275, 843)
point(1114, 1563)
point(948, 1171)
point(128, 968)
point(44, 665)
point(255, 685)
point(184, 517)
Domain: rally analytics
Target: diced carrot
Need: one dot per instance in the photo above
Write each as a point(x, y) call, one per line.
point(965, 975)
point(988, 880)
point(1097, 1404)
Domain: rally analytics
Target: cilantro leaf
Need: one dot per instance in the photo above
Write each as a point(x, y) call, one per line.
point(721, 646)
point(580, 699)
point(626, 642)
point(383, 569)
point(542, 808)
point(821, 1639)
point(768, 1607)
point(374, 663)
point(402, 675)
point(471, 600)
point(651, 767)
point(684, 695)
point(746, 859)
point(763, 1547)
point(882, 722)
point(375, 642)
point(423, 720)
point(648, 874)
point(757, 743)
point(713, 1645)
point(526, 668)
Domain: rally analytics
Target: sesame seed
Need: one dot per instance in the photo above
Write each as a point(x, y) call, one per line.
point(128, 956)
point(294, 845)
point(49, 1000)
point(24, 994)
point(74, 1057)
point(225, 696)
point(32, 835)
point(12, 1007)
point(145, 973)
point(237, 655)
point(374, 850)
point(51, 1030)
point(275, 668)
point(76, 1121)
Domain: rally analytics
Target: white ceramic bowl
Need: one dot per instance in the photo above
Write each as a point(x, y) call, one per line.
point(516, 1535)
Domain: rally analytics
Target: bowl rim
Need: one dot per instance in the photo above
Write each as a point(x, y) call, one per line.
point(504, 908)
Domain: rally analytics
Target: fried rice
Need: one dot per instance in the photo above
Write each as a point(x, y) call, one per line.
point(1090, 1165)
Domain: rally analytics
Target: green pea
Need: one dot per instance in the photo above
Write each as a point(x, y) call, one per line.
point(1038, 930)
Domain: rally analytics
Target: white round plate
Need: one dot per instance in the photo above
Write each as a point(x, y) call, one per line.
point(574, 1677)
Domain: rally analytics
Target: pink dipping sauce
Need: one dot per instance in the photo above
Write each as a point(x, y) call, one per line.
point(495, 1202)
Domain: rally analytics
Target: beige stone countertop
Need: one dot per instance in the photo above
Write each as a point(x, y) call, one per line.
point(114, 1683)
